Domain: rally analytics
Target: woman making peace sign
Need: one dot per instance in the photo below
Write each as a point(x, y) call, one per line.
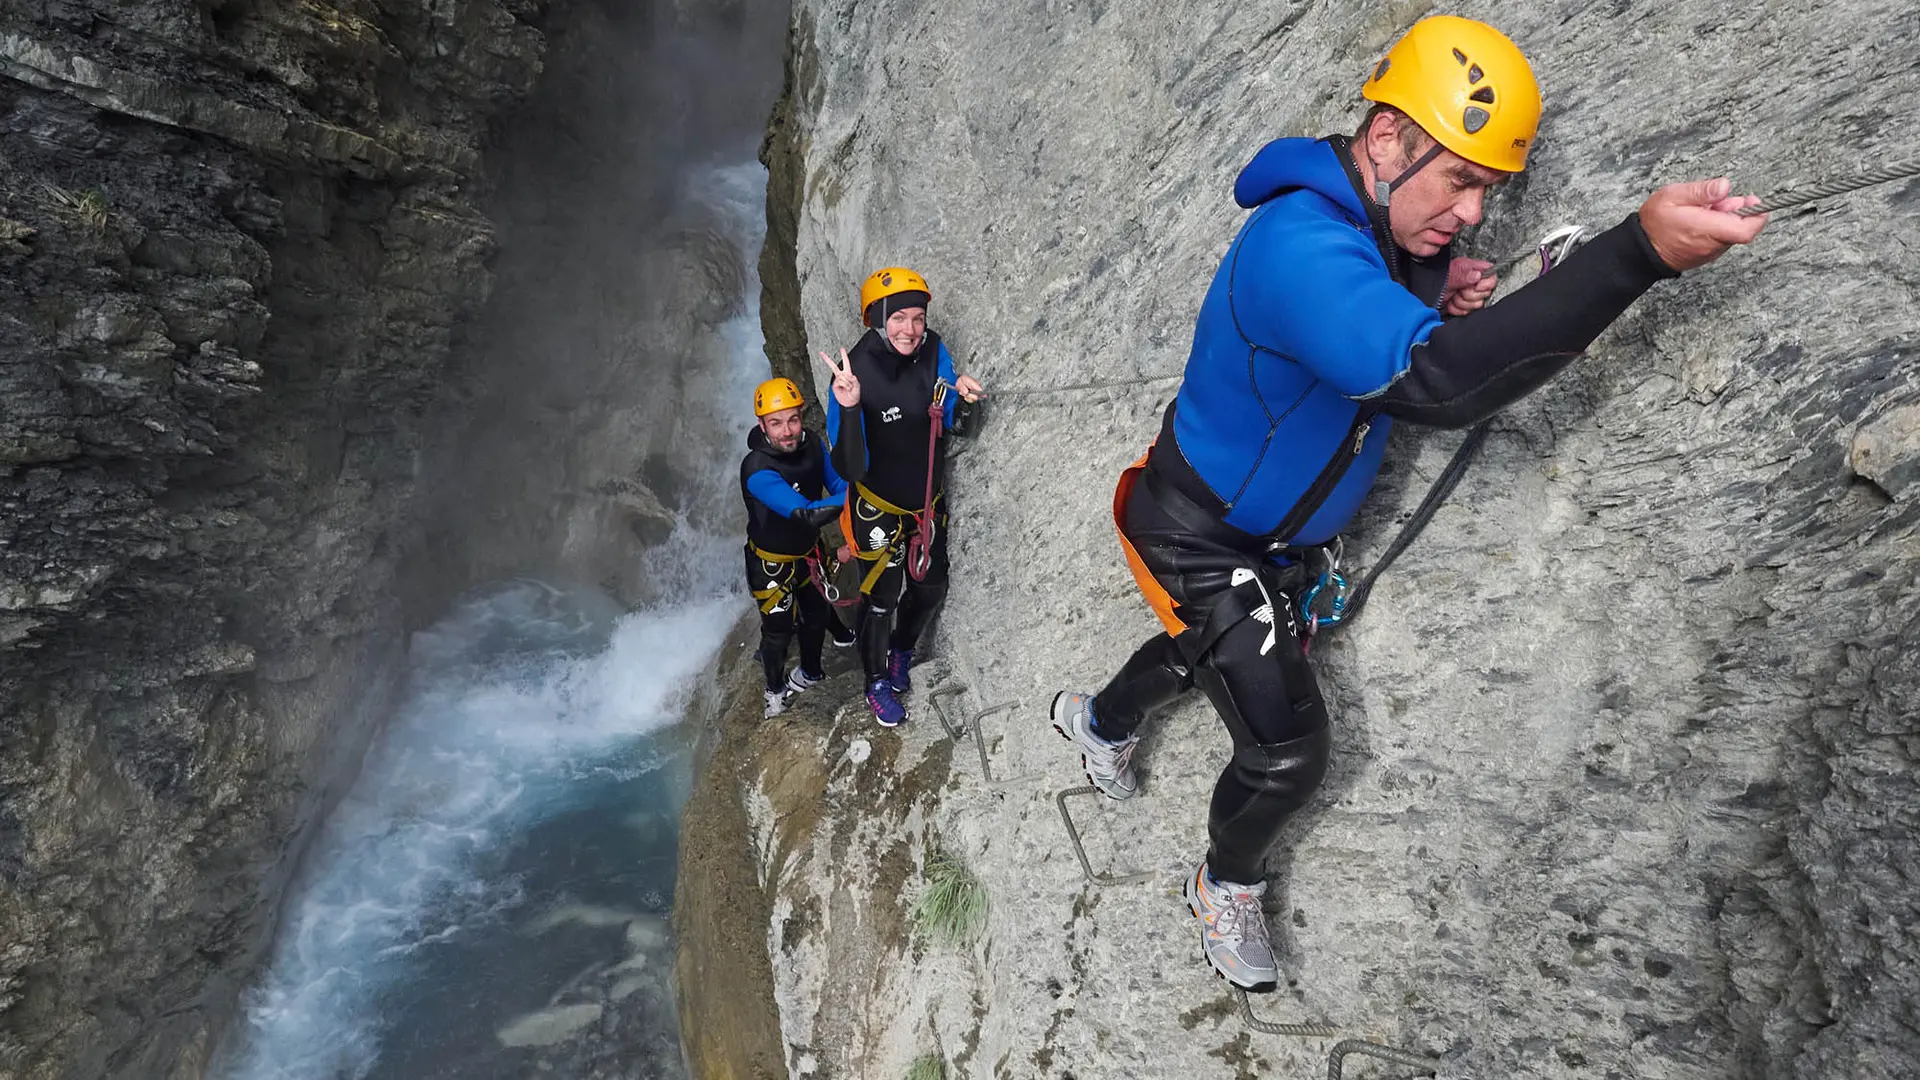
point(879, 425)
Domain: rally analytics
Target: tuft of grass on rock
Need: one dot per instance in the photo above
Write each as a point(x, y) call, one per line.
point(952, 906)
point(929, 1067)
point(90, 206)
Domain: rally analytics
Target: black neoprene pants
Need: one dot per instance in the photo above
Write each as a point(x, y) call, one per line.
point(897, 608)
point(1270, 703)
point(803, 611)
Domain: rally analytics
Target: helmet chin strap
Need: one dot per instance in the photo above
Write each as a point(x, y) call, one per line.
point(1383, 191)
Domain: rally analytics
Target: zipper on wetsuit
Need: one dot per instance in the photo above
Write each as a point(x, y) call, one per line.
point(1328, 479)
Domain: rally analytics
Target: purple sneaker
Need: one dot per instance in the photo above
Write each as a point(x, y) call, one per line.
point(899, 666)
point(886, 708)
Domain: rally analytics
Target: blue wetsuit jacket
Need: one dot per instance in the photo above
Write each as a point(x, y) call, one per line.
point(1306, 345)
point(780, 497)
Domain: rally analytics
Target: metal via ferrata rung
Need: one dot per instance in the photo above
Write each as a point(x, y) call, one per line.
point(1079, 849)
point(1336, 1061)
point(933, 699)
point(956, 732)
point(1305, 1031)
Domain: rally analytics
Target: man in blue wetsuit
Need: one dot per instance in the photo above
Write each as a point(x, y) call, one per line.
point(1337, 309)
point(791, 492)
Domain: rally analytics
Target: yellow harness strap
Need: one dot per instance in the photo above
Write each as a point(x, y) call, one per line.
point(789, 579)
point(879, 557)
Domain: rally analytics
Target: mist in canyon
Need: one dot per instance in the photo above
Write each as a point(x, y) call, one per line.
point(492, 893)
point(374, 382)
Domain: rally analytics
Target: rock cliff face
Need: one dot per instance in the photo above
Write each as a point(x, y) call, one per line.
point(1624, 772)
point(235, 238)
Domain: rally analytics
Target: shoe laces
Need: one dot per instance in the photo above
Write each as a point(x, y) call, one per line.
point(1240, 919)
point(1111, 756)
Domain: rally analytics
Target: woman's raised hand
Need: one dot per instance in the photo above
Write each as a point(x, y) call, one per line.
point(846, 385)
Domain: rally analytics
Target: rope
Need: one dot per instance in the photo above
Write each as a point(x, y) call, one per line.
point(1101, 384)
point(1436, 495)
point(920, 546)
point(1551, 251)
point(1786, 199)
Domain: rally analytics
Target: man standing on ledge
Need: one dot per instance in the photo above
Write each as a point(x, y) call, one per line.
point(1337, 309)
point(791, 493)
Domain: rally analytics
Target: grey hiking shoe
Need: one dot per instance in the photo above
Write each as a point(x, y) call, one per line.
point(799, 680)
point(1109, 765)
point(776, 703)
point(1233, 930)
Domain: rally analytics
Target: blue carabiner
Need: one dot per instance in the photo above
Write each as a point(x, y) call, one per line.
point(1335, 583)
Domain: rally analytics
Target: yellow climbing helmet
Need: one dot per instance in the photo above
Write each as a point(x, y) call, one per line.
point(890, 281)
point(776, 394)
point(1467, 84)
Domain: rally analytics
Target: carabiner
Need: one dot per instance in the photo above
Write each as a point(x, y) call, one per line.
point(1335, 584)
point(1560, 243)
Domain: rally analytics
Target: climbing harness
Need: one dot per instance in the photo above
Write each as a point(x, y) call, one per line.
point(829, 589)
point(918, 553)
point(772, 599)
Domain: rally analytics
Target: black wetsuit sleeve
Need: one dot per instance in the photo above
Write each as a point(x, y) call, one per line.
point(1472, 367)
point(850, 445)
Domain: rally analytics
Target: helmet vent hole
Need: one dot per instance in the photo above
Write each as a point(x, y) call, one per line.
point(1484, 94)
point(1475, 118)
point(1474, 74)
point(1381, 71)
point(1460, 56)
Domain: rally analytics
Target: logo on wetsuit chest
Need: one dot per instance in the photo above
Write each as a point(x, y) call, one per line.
point(890, 414)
